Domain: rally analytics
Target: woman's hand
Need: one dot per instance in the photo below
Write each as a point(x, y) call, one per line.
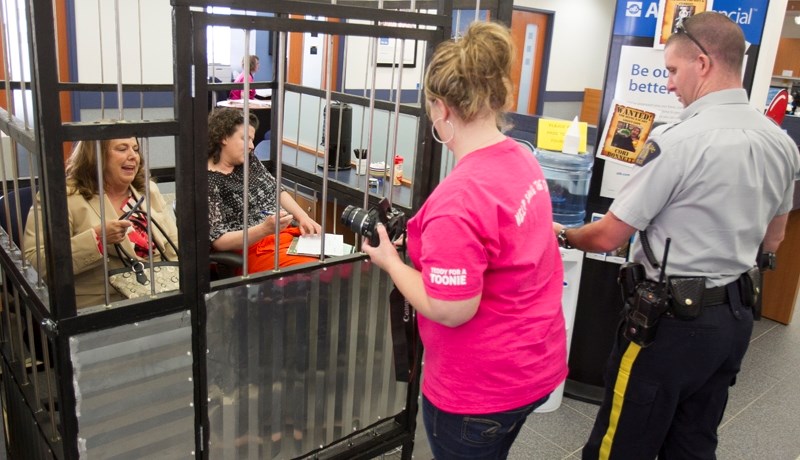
point(385, 253)
point(115, 231)
point(281, 221)
point(308, 226)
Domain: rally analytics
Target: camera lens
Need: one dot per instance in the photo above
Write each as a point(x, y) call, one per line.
point(355, 218)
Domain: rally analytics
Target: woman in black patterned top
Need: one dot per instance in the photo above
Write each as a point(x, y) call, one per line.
point(226, 156)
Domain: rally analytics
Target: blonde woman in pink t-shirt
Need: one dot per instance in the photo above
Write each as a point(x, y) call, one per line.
point(252, 66)
point(487, 275)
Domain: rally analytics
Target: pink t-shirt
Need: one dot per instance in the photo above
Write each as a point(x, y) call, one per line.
point(236, 94)
point(487, 229)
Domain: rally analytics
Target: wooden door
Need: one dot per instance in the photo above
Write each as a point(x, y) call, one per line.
point(529, 30)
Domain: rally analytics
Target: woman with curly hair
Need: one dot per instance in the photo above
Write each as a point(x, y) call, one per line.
point(227, 153)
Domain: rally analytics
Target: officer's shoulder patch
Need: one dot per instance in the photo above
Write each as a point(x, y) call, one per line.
point(650, 151)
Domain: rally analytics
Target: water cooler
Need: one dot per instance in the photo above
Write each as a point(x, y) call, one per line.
point(573, 262)
point(568, 177)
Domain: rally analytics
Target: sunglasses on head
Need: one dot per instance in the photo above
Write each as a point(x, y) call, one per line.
point(681, 29)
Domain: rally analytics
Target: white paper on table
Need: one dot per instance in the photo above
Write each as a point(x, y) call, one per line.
point(312, 244)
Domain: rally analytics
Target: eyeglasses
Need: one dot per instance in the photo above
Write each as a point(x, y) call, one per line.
point(681, 29)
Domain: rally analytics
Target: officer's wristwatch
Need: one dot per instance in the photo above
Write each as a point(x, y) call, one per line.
point(562, 239)
point(768, 261)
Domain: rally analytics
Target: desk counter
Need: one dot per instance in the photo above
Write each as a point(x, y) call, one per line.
point(355, 184)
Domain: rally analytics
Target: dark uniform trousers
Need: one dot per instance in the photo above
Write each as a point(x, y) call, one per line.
point(667, 400)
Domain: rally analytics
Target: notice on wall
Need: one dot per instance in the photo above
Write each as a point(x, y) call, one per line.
point(671, 14)
point(551, 134)
point(626, 130)
point(642, 80)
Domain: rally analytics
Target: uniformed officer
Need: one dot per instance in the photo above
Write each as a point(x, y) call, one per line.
point(718, 183)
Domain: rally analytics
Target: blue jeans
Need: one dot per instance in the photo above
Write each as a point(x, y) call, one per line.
point(478, 437)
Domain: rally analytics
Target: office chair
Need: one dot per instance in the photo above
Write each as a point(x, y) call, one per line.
point(25, 201)
point(223, 264)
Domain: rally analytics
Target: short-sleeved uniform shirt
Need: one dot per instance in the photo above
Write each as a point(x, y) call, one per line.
point(711, 182)
point(487, 229)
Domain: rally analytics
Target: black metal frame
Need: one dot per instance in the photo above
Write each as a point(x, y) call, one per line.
point(58, 320)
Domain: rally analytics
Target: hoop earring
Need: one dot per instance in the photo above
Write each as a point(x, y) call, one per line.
point(452, 129)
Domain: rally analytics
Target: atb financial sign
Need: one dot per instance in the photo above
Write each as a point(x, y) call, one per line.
point(638, 18)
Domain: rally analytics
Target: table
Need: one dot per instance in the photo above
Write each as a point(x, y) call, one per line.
point(400, 194)
point(260, 108)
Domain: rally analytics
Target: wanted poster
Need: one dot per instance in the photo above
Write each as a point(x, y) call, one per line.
point(671, 14)
point(626, 131)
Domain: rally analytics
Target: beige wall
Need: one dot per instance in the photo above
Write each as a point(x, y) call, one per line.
point(581, 35)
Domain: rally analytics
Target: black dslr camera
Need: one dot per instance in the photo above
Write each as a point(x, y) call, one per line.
point(364, 222)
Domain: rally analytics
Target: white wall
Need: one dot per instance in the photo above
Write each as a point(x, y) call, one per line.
point(581, 35)
point(239, 49)
point(358, 74)
point(790, 29)
point(776, 10)
point(96, 29)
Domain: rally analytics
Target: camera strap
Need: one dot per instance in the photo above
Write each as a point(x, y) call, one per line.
point(403, 322)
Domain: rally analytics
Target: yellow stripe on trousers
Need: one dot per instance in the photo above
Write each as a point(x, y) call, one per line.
point(620, 386)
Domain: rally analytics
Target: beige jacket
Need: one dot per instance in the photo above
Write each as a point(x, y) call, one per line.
point(87, 261)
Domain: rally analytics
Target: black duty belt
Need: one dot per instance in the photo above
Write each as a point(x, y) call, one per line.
point(715, 296)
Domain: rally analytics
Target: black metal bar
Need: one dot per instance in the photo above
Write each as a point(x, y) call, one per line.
point(353, 10)
point(126, 312)
point(191, 179)
point(260, 277)
point(13, 378)
point(282, 24)
point(345, 193)
point(49, 155)
point(230, 86)
point(428, 160)
point(504, 12)
point(354, 99)
point(25, 286)
point(57, 239)
point(14, 84)
point(112, 87)
point(113, 130)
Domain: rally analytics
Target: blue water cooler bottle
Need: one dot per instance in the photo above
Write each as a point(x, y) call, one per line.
point(568, 177)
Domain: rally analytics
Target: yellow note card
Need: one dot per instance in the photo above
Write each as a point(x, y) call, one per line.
point(551, 134)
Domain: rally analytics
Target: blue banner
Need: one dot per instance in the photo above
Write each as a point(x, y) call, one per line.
point(638, 18)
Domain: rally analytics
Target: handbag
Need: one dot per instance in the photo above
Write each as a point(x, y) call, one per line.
point(133, 280)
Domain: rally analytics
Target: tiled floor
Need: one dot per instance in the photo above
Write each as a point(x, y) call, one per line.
point(762, 420)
